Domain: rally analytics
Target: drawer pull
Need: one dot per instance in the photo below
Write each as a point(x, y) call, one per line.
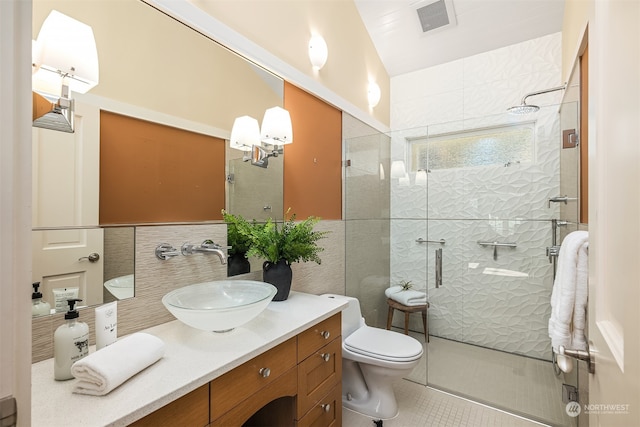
point(326, 407)
point(325, 334)
point(326, 356)
point(264, 372)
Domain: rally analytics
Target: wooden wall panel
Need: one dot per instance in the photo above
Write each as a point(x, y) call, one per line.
point(313, 162)
point(584, 137)
point(152, 173)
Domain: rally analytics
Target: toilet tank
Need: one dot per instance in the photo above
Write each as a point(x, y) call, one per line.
point(351, 316)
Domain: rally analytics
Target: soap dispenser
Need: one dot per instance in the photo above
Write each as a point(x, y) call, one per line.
point(70, 343)
point(39, 307)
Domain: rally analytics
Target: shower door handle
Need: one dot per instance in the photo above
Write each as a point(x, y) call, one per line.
point(438, 267)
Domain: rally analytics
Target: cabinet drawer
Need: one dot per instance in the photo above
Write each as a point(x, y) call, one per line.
point(318, 335)
point(191, 409)
point(234, 386)
point(318, 374)
point(279, 399)
point(322, 415)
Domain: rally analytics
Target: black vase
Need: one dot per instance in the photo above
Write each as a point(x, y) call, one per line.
point(238, 264)
point(279, 275)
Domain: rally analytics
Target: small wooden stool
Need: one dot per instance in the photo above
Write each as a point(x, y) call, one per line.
point(408, 309)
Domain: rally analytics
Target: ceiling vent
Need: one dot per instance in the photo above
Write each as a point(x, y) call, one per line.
point(436, 14)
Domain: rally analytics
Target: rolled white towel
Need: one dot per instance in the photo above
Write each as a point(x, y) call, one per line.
point(107, 368)
point(407, 297)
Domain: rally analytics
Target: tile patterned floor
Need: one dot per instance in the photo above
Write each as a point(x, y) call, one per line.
point(515, 383)
point(423, 406)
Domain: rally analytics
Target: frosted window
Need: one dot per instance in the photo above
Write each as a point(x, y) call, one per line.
point(484, 147)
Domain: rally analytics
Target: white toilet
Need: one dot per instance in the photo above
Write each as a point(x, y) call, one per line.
point(372, 359)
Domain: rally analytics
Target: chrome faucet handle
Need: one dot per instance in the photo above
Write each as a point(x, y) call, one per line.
point(210, 244)
point(164, 251)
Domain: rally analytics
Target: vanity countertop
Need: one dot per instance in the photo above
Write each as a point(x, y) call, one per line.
point(192, 358)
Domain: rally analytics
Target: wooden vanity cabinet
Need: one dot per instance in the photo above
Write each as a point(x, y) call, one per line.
point(297, 383)
point(320, 374)
point(190, 410)
point(232, 388)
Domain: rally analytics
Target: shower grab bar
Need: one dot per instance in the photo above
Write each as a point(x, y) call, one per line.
point(495, 246)
point(438, 267)
point(421, 240)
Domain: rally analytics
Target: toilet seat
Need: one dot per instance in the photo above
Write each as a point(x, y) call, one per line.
point(383, 345)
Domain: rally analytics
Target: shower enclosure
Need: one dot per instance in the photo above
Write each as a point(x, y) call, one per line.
point(462, 210)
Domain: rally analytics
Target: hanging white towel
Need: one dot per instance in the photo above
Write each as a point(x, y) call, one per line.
point(107, 368)
point(408, 297)
point(569, 297)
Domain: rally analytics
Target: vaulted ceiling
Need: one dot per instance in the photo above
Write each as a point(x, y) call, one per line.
point(475, 26)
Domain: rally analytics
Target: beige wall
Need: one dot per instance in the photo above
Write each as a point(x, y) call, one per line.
point(284, 28)
point(149, 60)
point(576, 18)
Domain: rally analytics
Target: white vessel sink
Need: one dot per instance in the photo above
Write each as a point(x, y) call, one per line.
point(120, 287)
point(219, 306)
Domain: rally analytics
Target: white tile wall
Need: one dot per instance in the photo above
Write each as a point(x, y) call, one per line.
point(480, 203)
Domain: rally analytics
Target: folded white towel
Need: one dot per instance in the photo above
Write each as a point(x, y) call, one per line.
point(107, 368)
point(569, 295)
point(408, 297)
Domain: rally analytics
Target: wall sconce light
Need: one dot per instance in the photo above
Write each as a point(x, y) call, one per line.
point(245, 133)
point(65, 59)
point(397, 169)
point(276, 127)
point(373, 94)
point(318, 52)
point(276, 132)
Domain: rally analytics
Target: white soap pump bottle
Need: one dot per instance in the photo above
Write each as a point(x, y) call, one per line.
point(39, 307)
point(70, 343)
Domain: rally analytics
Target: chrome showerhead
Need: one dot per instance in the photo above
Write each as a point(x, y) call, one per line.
point(525, 108)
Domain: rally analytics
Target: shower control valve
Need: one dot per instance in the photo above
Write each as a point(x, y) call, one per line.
point(553, 252)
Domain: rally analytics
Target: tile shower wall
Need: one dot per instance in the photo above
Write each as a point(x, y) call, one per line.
point(500, 303)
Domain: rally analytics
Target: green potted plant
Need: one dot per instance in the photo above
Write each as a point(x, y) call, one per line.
point(239, 244)
point(280, 245)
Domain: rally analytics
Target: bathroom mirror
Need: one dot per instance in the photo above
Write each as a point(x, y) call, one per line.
point(167, 74)
point(93, 264)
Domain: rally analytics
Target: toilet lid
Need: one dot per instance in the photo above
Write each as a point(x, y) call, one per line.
point(383, 344)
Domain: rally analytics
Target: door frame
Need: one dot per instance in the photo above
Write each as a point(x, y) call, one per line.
point(15, 196)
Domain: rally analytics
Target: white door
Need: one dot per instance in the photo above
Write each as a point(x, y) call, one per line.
point(15, 188)
point(66, 172)
point(66, 193)
point(614, 211)
point(65, 259)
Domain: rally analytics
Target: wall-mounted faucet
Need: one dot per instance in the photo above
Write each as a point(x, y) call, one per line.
point(208, 246)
